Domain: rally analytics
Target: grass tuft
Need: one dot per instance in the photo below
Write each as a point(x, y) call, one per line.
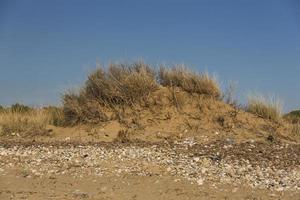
point(121, 84)
point(79, 109)
point(268, 108)
point(56, 116)
point(293, 117)
point(296, 129)
point(23, 120)
point(31, 122)
point(192, 82)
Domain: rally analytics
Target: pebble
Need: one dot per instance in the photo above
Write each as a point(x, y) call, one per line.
point(52, 161)
point(80, 194)
point(200, 181)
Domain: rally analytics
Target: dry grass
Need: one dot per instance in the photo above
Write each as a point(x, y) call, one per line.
point(268, 108)
point(79, 109)
point(177, 98)
point(293, 121)
point(229, 96)
point(295, 129)
point(56, 115)
point(192, 82)
point(23, 120)
point(128, 85)
point(293, 117)
point(28, 123)
point(121, 84)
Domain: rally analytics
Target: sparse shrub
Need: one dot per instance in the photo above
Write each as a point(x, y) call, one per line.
point(2, 109)
point(229, 95)
point(293, 117)
point(79, 109)
point(20, 108)
point(121, 84)
point(112, 89)
point(268, 108)
point(192, 82)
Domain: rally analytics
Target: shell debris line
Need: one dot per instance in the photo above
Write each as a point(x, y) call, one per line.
point(274, 167)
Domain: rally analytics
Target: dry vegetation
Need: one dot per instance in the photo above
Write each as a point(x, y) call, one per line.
point(119, 85)
point(27, 123)
point(130, 85)
point(268, 108)
point(139, 97)
point(293, 118)
point(200, 83)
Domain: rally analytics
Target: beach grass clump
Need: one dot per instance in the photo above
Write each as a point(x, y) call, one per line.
point(267, 108)
point(192, 82)
point(31, 122)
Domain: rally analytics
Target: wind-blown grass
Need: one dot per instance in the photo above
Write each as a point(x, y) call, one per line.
point(268, 108)
point(19, 119)
point(293, 117)
point(192, 82)
point(30, 123)
point(121, 83)
point(125, 84)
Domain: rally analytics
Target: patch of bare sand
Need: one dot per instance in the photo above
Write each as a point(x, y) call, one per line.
point(126, 187)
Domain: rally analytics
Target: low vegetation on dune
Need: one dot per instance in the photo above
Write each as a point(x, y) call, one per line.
point(293, 117)
point(136, 97)
point(268, 108)
point(55, 115)
point(26, 121)
point(192, 82)
point(31, 122)
point(119, 85)
point(173, 98)
point(130, 85)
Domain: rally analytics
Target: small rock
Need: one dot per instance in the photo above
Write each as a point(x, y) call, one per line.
point(230, 141)
point(80, 194)
point(200, 181)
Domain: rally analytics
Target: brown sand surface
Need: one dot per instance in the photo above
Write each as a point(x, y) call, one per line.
point(126, 187)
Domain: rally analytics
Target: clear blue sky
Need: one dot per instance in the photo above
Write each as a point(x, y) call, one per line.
point(49, 46)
